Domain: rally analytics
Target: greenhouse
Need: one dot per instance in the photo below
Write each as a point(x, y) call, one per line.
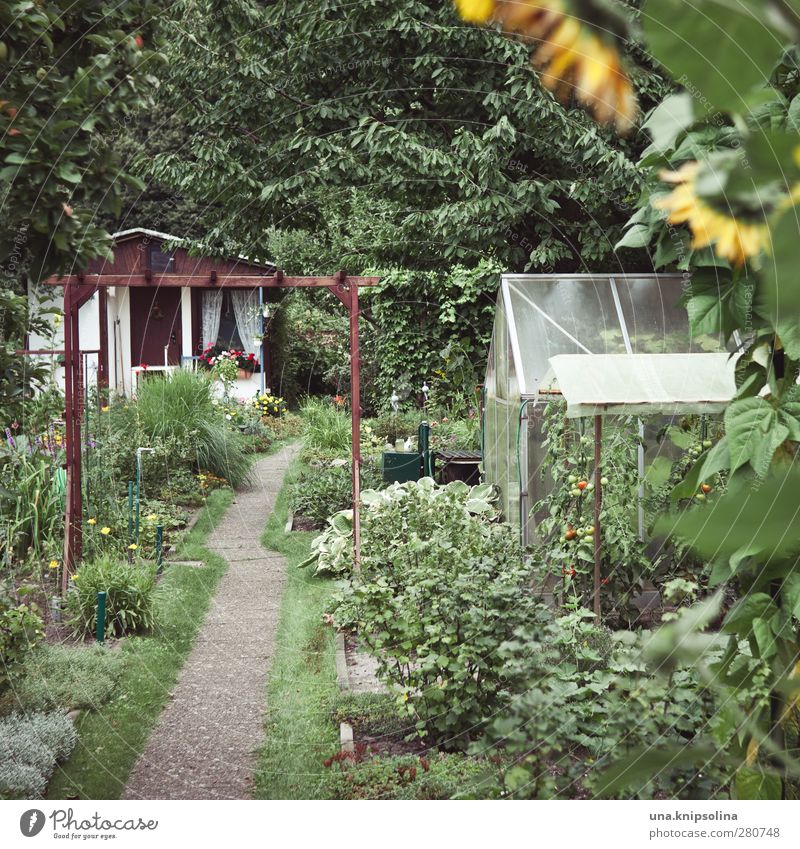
point(642, 361)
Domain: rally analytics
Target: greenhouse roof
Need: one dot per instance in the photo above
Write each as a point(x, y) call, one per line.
point(644, 384)
point(547, 315)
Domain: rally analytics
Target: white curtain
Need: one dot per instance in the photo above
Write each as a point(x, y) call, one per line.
point(212, 310)
point(248, 318)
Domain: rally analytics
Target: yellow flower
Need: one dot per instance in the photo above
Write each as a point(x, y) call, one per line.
point(53, 564)
point(91, 521)
point(73, 577)
point(475, 11)
point(105, 409)
point(572, 59)
point(133, 546)
point(152, 518)
point(732, 239)
point(105, 531)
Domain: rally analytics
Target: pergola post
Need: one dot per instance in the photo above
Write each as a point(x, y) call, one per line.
point(347, 293)
point(598, 501)
point(72, 436)
point(355, 403)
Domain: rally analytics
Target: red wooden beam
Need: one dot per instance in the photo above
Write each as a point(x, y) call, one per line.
point(355, 404)
point(205, 281)
point(72, 417)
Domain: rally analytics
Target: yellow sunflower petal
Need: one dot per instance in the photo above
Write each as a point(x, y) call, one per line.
point(475, 11)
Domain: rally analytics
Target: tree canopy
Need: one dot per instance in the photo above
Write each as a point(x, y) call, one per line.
point(73, 74)
point(438, 136)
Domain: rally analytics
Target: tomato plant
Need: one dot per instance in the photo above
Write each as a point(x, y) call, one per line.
point(566, 526)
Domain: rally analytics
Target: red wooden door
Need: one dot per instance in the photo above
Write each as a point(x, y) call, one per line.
point(155, 323)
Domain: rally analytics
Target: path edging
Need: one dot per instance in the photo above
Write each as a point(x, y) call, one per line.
point(343, 681)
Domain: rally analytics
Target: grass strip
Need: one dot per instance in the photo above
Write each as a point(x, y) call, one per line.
point(300, 731)
point(111, 739)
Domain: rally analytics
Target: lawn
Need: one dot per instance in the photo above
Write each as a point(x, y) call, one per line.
point(111, 739)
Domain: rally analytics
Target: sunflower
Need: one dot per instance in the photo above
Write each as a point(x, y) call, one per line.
point(475, 11)
point(571, 58)
point(732, 239)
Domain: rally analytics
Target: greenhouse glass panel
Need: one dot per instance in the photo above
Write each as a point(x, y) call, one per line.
point(544, 316)
point(560, 316)
point(655, 319)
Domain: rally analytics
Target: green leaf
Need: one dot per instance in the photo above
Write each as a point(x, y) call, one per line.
point(764, 638)
point(790, 594)
point(765, 517)
point(67, 171)
point(658, 472)
point(712, 461)
point(750, 425)
point(639, 766)
point(637, 236)
point(752, 783)
point(669, 119)
point(780, 292)
point(793, 116)
point(741, 616)
point(719, 50)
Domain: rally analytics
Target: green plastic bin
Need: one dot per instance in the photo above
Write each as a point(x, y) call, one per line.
point(401, 466)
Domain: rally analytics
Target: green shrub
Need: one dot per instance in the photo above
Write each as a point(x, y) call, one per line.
point(67, 678)
point(389, 427)
point(289, 426)
point(181, 486)
point(21, 628)
point(30, 747)
point(325, 489)
point(375, 714)
point(582, 700)
point(439, 776)
point(456, 434)
point(129, 591)
point(441, 586)
point(180, 417)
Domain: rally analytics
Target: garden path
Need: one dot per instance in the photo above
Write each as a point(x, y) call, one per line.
point(203, 746)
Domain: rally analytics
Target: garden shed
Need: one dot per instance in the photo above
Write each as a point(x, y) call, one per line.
point(166, 326)
point(606, 343)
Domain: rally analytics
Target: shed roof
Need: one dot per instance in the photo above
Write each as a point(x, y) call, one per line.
point(644, 384)
point(135, 232)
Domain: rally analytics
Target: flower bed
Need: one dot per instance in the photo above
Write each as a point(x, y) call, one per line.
point(217, 358)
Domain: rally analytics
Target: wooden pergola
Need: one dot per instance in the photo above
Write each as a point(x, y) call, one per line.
point(80, 288)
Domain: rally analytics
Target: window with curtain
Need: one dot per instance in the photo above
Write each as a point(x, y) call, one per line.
point(228, 334)
point(231, 319)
